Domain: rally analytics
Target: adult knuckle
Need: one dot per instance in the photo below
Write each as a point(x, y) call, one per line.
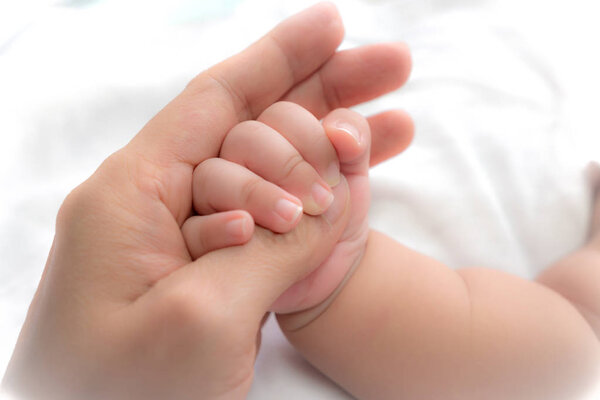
point(73, 204)
point(199, 302)
point(121, 169)
point(181, 308)
point(210, 317)
point(100, 193)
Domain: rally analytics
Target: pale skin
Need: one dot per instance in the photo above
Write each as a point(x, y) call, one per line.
point(133, 305)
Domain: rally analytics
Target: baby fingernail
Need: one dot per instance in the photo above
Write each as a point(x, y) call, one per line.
point(322, 196)
point(288, 210)
point(332, 175)
point(349, 129)
point(237, 228)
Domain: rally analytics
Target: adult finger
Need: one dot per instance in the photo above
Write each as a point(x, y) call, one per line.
point(391, 133)
point(357, 75)
point(204, 233)
point(192, 127)
point(353, 76)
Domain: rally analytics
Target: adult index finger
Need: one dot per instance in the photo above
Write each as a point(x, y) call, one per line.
point(191, 128)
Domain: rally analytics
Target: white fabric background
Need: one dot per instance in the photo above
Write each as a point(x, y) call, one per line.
point(503, 93)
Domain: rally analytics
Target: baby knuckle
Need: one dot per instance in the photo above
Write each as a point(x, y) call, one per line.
point(205, 239)
point(279, 107)
point(205, 167)
point(291, 164)
point(283, 108)
point(250, 189)
point(320, 140)
point(204, 171)
point(240, 136)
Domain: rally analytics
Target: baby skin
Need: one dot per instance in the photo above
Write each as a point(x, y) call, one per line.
point(384, 321)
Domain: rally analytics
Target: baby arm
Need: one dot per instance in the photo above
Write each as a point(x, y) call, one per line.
point(408, 327)
point(577, 279)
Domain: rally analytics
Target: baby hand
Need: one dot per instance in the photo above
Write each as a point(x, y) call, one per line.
point(270, 171)
point(350, 134)
point(271, 168)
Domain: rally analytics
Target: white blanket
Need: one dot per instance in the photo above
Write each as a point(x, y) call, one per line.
point(503, 100)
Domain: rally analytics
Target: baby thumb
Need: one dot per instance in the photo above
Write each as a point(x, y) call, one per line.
point(350, 134)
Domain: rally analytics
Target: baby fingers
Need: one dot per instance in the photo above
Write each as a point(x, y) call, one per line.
point(274, 155)
point(221, 185)
point(304, 131)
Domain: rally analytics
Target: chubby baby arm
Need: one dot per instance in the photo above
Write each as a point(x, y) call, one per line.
point(406, 326)
point(577, 278)
point(403, 325)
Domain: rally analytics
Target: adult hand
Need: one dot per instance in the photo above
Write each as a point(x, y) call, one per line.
point(121, 310)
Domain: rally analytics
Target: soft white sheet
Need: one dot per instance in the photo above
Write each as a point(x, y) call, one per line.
point(502, 94)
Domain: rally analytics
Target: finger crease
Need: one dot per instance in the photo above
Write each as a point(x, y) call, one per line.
point(287, 58)
point(291, 164)
point(330, 93)
point(239, 101)
point(249, 189)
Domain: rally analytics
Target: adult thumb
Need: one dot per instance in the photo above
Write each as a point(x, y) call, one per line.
point(244, 281)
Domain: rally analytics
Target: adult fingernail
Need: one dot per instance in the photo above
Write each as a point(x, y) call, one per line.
point(288, 210)
point(349, 129)
point(332, 175)
point(322, 196)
